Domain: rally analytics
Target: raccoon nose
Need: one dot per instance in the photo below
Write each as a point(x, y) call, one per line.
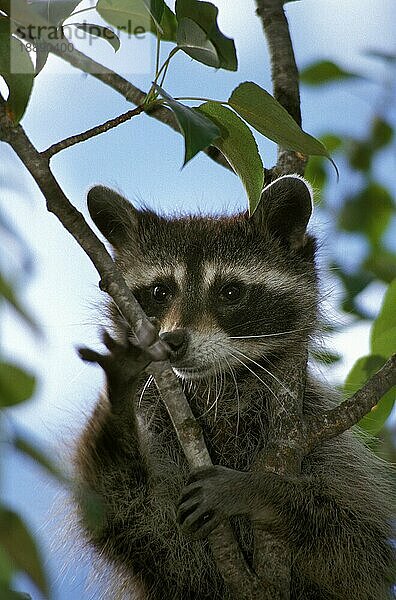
point(176, 339)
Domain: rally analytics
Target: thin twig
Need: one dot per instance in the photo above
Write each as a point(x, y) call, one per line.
point(333, 422)
point(127, 89)
point(90, 133)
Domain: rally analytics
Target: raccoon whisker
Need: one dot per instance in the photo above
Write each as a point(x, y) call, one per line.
point(217, 393)
point(255, 374)
point(145, 388)
point(236, 392)
point(266, 371)
point(245, 337)
point(309, 325)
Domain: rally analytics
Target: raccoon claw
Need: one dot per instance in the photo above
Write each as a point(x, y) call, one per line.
point(207, 499)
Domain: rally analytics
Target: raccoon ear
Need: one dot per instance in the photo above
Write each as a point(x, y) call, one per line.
point(113, 215)
point(285, 209)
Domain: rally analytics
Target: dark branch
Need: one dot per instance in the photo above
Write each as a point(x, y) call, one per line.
point(284, 454)
point(128, 90)
point(90, 133)
point(285, 79)
point(337, 420)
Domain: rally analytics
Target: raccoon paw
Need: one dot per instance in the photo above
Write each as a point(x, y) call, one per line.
point(122, 364)
point(210, 496)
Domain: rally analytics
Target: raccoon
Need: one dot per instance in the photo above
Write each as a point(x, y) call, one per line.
point(235, 298)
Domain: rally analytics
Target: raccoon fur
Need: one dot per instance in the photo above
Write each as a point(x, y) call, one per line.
point(235, 298)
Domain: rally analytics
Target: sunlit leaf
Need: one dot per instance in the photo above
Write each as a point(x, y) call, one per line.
point(17, 70)
point(205, 14)
point(102, 32)
point(324, 71)
point(194, 42)
point(362, 370)
point(130, 15)
point(240, 149)
point(265, 114)
point(134, 15)
point(16, 385)
point(199, 131)
point(20, 546)
point(383, 332)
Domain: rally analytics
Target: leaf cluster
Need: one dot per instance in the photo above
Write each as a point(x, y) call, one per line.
point(192, 29)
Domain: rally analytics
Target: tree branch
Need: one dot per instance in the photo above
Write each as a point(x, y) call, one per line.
point(90, 133)
point(227, 553)
point(285, 78)
point(272, 557)
point(128, 90)
point(333, 422)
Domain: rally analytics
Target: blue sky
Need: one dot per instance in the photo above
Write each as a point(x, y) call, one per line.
point(142, 159)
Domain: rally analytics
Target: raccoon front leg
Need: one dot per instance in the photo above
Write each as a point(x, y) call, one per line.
point(109, 455)
point(338, 544)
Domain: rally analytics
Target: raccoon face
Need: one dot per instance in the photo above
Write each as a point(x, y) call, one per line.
point(228, 292)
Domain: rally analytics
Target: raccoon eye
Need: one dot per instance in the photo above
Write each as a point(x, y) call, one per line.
point(231, 293)
point(161, 293)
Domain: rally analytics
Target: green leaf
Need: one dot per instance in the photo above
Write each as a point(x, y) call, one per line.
point(204, 14)
point(362, 370)
point(53, 12)
point(24, 446)
point(7, 594)
point(265, 114)
point(6, 569)
point(16, 385)
point(240, 149)
point(360, 154)
point(128, 15)
point(199, 131)
point(17, 70)
point(369, 212)
point(101, 32)
point(382, 263)
point(381, 133)
point(324, 71)
point(20, 546)
point(194, 42)
point(168, 25)
point(331, 141)
point(383, 332)
point(8, 294)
